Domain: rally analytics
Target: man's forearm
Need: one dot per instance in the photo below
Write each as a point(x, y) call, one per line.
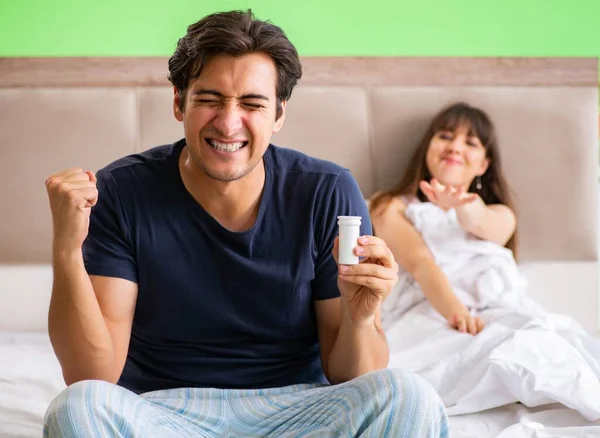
point(77, 329)
point(360, 348)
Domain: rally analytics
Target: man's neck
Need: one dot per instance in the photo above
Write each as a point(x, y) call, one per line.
point(233, 204)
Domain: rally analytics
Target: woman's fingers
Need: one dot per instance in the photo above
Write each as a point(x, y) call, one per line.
point(467, 324)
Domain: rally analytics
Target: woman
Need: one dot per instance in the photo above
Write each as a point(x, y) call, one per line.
point(457, 166)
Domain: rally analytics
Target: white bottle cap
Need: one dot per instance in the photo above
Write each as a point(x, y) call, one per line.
point(349, 232)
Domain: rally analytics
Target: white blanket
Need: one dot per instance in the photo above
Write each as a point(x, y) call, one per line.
point(523, 355)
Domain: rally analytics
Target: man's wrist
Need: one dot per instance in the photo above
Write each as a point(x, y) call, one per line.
point(350, 320)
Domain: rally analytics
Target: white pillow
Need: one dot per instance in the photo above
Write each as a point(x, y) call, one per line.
point(24, 297)
point(566, 287)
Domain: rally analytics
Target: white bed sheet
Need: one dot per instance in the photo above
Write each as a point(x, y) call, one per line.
point(518, 421)
point(30, 377)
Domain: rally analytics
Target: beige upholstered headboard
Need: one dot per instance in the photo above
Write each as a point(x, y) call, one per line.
point(364, 113)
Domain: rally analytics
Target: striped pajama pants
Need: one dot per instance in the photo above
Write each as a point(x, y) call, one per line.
point(386, 403)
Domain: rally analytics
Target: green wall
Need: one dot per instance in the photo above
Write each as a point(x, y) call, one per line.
point(317, 27)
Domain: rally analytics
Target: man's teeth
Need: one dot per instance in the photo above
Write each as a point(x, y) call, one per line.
point(225, 147)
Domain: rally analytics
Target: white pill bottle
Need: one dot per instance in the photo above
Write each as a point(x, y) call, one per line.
point(349, 232)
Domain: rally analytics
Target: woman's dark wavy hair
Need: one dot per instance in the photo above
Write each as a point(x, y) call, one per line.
point(494, 188)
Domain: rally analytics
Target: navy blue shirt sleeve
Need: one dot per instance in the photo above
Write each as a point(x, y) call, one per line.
point(108, 250)
point(345, 199)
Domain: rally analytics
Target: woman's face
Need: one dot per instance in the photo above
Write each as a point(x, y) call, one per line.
point(456, 158)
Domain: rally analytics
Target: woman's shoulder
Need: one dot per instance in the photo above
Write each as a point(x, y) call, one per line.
point(409, 199)
point(389, 204)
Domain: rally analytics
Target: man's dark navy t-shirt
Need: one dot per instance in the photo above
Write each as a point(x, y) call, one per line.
point(217, 308)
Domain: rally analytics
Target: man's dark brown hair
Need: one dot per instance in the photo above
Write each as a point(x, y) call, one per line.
point(234, 33)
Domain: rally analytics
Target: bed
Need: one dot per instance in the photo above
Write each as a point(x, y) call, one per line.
point(364, 113)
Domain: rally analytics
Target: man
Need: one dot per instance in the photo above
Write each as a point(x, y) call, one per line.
point(196, 289)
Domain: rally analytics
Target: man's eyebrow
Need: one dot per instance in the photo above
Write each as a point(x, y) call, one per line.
point(207, 91)
point(216, 93)
point(255, 96)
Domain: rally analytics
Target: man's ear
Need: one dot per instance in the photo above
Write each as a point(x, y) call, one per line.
point(279, 122)
point(177, 100)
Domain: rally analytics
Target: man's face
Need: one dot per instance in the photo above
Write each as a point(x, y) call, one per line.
point(229, 114)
